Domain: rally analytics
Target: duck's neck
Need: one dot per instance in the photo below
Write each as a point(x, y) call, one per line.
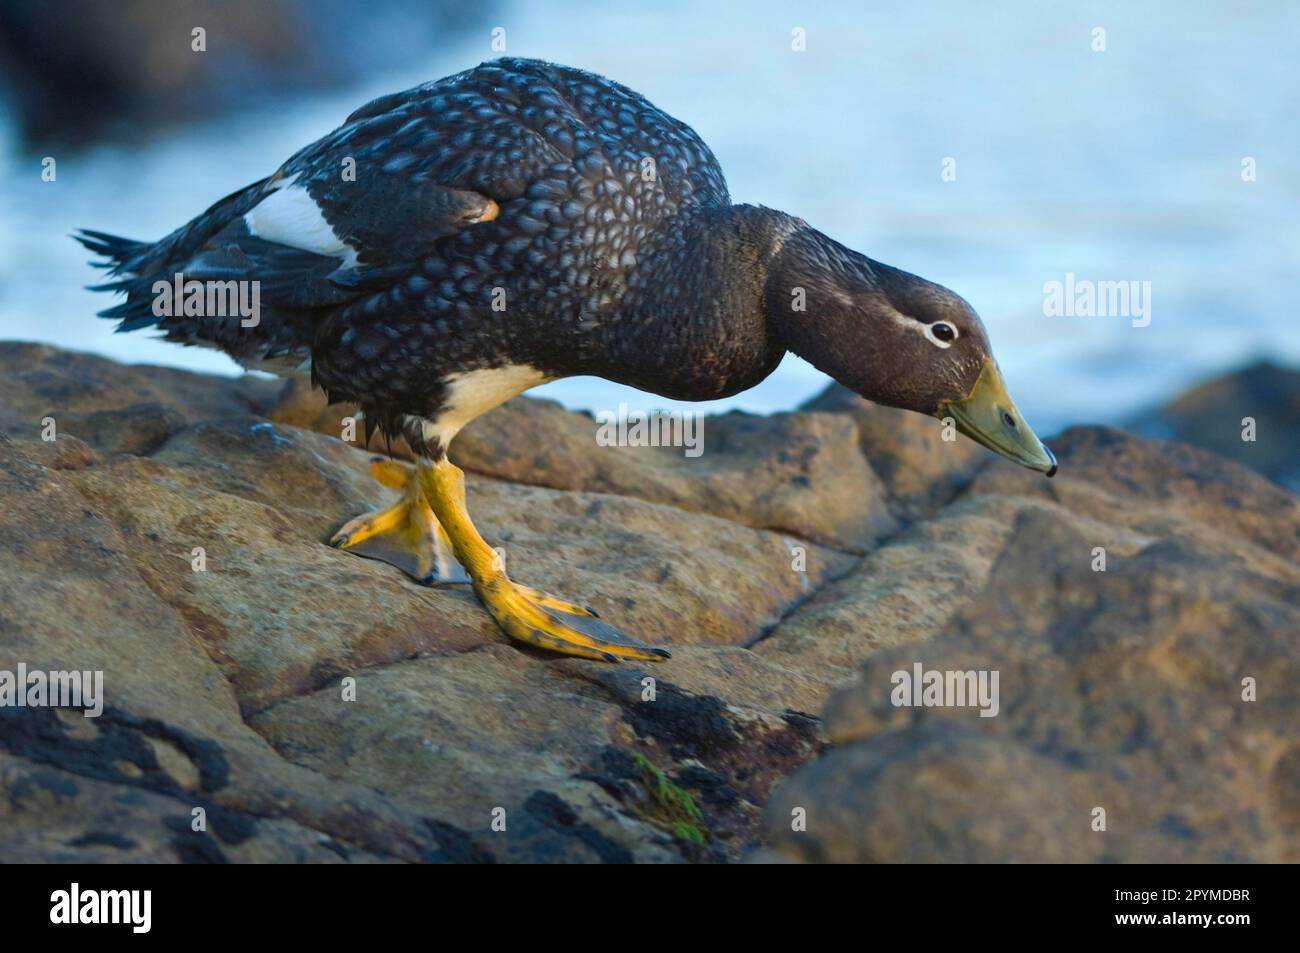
point(724, 293)
point(693, 324)
point(822, 302)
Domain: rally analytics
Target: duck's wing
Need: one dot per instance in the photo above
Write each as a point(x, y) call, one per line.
point(322, 231)
point(316, 241)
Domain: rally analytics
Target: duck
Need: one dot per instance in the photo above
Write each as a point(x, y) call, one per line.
point(454, 245)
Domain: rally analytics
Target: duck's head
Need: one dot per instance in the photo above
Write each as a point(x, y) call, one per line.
point(896, 339)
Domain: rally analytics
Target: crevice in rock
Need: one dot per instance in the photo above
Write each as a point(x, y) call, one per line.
point(958, 493)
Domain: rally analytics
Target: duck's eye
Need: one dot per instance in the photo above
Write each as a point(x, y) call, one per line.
point(941, 333)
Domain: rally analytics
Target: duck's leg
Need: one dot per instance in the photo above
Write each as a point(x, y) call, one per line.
point(522, 613)
point(407, 534)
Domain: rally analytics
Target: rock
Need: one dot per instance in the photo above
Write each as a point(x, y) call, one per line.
point(1214, 416)
point(112, 406)
point(313, 706)
point(76, 788)
point(190, 568)
point(74, 71)
point(65, 453)
point(919, 468)
point(1120, 690)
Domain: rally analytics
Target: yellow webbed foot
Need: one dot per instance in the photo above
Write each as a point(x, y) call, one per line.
point(523, 613)
point(540, 619)
point(406, 535)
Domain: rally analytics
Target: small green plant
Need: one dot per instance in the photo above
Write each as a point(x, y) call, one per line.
point(670, 806)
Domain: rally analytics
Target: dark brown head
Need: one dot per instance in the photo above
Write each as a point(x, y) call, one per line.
point(895, 339)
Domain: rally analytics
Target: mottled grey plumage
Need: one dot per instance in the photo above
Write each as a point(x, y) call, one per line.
point(616, 252)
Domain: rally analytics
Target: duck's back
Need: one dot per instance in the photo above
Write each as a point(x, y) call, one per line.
point(511, 124)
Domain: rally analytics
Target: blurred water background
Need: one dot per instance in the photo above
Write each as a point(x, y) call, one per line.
point(1116, 165)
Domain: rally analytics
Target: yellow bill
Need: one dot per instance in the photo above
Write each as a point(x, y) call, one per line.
point(989, 416)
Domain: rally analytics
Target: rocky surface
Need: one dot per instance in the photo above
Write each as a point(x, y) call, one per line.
point(320, 707)
point(1251, 416)
point(1120, 689)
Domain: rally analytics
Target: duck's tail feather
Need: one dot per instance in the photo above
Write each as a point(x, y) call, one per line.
point(118, 250)
point(123, 256)
point(136, 266)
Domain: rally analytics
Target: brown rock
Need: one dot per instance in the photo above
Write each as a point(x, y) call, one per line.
point(795, 473)
point(71, 600)
point(225, 688)
point(113, 406)
point(204, 668)
point(63, 453)
point(1119, 690)
point(920, 470)
point(1212, 415)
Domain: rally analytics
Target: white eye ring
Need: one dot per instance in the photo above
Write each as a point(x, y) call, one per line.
point(928, 331)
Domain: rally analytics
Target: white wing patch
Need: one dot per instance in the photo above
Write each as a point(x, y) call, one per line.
point(290, 216)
